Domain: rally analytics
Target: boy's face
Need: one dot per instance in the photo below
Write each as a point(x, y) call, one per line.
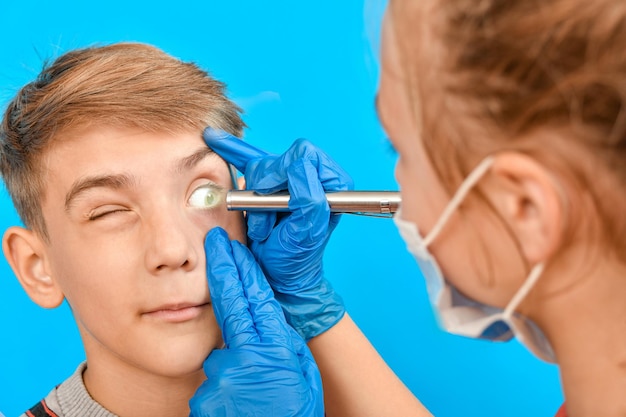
point(126, 247)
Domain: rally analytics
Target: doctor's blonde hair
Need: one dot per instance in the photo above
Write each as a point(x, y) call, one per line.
point(553, 70)
point(120, 85)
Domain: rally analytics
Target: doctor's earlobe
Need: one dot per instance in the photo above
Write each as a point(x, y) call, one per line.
point(528, 198)
point(25, 252)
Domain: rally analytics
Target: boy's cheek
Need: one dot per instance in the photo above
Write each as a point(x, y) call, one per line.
point(237, 229)
point(232, 222)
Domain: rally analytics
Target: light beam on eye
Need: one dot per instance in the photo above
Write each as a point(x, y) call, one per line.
point(206, 196)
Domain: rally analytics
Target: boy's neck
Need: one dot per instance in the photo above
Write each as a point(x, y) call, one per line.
point(124, 391)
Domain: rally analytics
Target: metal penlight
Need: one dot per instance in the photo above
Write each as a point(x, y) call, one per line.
point(372, 203)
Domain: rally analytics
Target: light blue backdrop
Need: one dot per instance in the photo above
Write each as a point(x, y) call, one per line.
point(299, 69)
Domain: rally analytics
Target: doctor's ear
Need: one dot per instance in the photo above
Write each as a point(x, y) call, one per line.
point(25, 252)
point(530, 201)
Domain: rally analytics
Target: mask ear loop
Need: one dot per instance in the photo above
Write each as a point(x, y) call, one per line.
point(534, 275)
point(458, 197)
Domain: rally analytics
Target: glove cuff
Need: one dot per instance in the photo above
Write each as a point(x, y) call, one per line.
point(311, 312)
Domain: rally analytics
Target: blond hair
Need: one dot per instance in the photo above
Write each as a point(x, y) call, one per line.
point(518, 68)
point(127, 85)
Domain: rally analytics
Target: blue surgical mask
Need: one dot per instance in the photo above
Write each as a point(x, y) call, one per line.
point(455, 312)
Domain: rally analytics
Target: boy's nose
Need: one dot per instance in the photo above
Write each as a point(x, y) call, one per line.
point(170, 244)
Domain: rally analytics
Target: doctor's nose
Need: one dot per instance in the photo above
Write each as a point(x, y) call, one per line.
point(170, 244)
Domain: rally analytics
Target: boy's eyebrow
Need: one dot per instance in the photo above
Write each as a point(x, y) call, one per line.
point(117, 181)
point(83, 184)
point(192, 160)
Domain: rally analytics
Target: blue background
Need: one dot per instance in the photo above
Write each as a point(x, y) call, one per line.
point(298, 69)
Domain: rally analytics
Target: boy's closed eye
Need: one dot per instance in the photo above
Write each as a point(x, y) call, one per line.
point(100, 212)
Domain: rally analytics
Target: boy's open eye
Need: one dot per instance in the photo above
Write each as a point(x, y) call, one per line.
point(208, 195)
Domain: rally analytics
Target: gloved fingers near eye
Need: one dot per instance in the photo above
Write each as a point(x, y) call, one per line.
point(290, 247)
point(292, 251)
point(243, 302)
point(265, 368)
point(267, 173)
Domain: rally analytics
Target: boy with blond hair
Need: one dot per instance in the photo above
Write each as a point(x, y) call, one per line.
point(104, 159)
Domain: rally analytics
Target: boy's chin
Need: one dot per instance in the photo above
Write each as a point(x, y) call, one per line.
point(178, 369)
point(183, 360)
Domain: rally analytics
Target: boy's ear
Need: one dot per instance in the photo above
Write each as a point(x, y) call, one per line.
point(531, 202)
point(25, 252)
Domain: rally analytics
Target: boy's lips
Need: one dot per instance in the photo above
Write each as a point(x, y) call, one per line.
point(176, 312)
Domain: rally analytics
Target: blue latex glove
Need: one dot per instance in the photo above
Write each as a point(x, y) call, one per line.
point(290, 247)
point(266, 369)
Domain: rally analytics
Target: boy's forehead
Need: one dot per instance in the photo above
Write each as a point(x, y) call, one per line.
point(127, 149)
point(125, 141)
